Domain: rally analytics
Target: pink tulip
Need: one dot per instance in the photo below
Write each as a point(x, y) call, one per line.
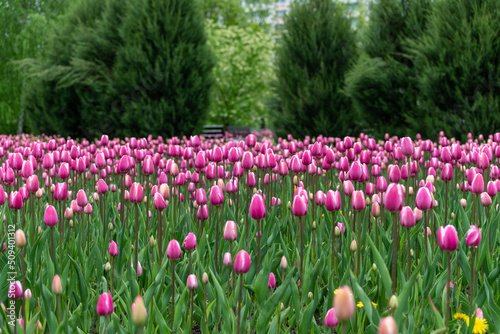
point(473, 237)
point(173, 250)
point(448, 238)
point(88, 209)
point(394, 198)
point(216, 196)
point(407, 217)
point(15, 290)
point(61, 192)
point(102, 187)
point(477, 186)
point(343, 302)
point(242, 262)
point(299, 206)
point(192, 282)
point(271, 283)
point(50, 217)
point(486, 199)
point(190, 242)
point(227, 261)
point(358, 200)
point(320, 198)
point(81, 198)
point(136, 193)
point(424, 200)
point(447, 172)
point(257, 207)
point(15, 200)
point(105, 305)
point(113, 248)
point(230, 231)
point(407, 147)
point(331, 319)
point(32, 184)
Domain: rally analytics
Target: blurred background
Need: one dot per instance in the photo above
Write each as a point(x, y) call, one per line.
point(305, 67)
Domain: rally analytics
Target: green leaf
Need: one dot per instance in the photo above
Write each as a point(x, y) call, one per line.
point(404, 297)
point(261, 289)
point(384, 272)
point(370, 310)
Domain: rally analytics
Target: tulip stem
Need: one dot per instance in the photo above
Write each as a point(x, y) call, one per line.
point(344, 327)
point(426, 225)
point(471, 290)
point(160, 236)
point(359, 242)
point(409, 254)
point(301, 222)
point(192, 302)
point(231, 252)
point(258, 245)
point(446, 186)
point(112, 273)
point(59, 308)
point(333, 245)
point(24, 284)
point(217, 240)
point(52, 243)
point(395, 243)
point(239, 303)
point(448, 290)
point(136, 250)
point(173, 295)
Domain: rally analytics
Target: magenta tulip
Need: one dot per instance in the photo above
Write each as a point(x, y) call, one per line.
point(394, 198)
point(473, 237)
point(173, 250)
point(447, 238)
point(230, 231)
point(407, 217)
point(242, 262)
point(50, 217)
point(257, 207)
point(189, 242)
point(105, 305)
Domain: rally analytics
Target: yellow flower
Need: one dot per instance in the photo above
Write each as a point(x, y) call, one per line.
point(480, 325)
point(323, 216)
point(360, 304)
point(340, 211)
point(335, 291)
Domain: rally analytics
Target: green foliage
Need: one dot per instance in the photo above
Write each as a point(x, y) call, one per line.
point(318, 47)
point(242, 75)
point(459, 68)
point(134, 68)
point(24, 24)
point(383, 83)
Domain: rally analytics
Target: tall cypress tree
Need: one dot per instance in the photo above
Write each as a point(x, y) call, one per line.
point(317, 49)
point(459, 68)
point(134, 68)
point(383, 83)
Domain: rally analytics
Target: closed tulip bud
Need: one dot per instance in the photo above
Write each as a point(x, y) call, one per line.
point(407, 217)
point(463, 202)
point(343, 303)
point(136, 193)
point(394, 197)
point(271, 283)
point(387, 326)
point(477, 186)
point(486, 199)
point(50, 216)
point(257, 207)
point(68, 213)
point(283, 263)
point(310, 295)
point(192, 282)
point(374, 267)
point(242, 262)
point(152, 242)
point(20, 239)
point(39, 193)
point(289, 205)
point(173, 250)
point(139, 313)
point(105, 305)
point(424, 200)
point(376, 209)
point(56, 285)
point(139, 267)
point(110, 226)
point(331, 319)
point(107, 266)
point(410, 191)
point(447, 238)
point(88, 209)
point(227, 261)
point(27, 294)
point(204, 278)
point(473, 237)
point(15, 290)
point(190, 242)
point(216, 196)
point(230, 231)
point(15, 200)
point(393, 302)
point(299, 206)
point(113, 248)
point(358, 200)
point(354, 246)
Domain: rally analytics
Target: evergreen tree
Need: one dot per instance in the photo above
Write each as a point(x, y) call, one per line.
point(317, 49)
point(383, 83)
point(459, 68)
point(134, 68)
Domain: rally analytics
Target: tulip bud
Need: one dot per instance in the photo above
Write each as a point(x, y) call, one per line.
point(204, 278)
point(20, 239)
point(310, 295)
point(152, 242)
point(393, 302)
point(107, 267)
point(354, 246)
point(343, 303)
point(283, 263)
point(173, 250)
point(110, 226)
point(374, 267)
point(331, 319)
point(447, 238)
point(271, 284)
point(227, 259)
point(56, 285)
point(105, 305)
point(387, 326)
point(192, 282)
point(139, 313)
point(314, 225)
point(337, 231)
